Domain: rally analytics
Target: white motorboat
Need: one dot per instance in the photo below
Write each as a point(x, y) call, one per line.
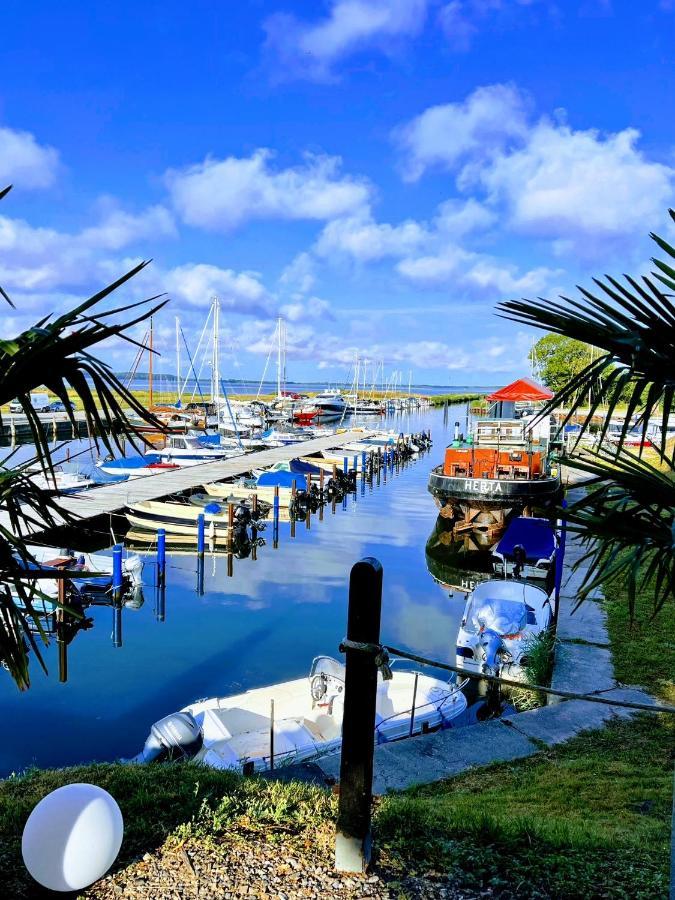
point(178, 518)
point(331, 405)
point(187, 450)
point(234, 732)
point(500, 620)
point(58, 479)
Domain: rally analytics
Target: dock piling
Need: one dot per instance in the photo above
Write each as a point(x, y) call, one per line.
point(353, 839)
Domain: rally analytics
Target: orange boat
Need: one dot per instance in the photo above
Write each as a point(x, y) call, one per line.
point(502, 468)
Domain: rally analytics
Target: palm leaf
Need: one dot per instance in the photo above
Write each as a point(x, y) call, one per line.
point(625, 520)
point(633, 325)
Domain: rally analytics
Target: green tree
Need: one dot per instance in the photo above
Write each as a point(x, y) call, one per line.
point(627, 517)
point(54, 353)
point(557, 359)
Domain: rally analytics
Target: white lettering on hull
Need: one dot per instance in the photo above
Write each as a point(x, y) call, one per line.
point(482, 486)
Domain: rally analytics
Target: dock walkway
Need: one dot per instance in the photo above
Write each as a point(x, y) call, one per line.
point(110, 498)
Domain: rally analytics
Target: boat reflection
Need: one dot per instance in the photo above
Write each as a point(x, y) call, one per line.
point(458, 560)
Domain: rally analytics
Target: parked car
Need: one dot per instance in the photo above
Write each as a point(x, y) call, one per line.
point(59, 406)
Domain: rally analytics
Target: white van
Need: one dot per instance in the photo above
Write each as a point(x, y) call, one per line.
point(39, 402)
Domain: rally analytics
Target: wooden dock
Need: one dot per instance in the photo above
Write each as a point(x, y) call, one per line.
point(110, 498)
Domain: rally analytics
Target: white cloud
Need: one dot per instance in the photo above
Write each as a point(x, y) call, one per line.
point(479, 275)
point(579, 189)
point(119, 228)
point(24, 162)
point(490, 119)
point(302, 309)
point(195, 284)
point(461, 20)
point(311, 49)
point(34, 258)
point(222, 194)
point(365, 240)
point(586, 192)
point(299, 275)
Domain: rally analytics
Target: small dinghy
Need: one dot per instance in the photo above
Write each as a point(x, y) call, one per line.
point(234, 732)
point(180, 518)
point(500, 620)
point(527, 549)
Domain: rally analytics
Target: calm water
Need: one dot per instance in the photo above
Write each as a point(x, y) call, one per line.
point(262, 625)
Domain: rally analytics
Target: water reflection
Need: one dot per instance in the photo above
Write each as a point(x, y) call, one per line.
point(262, 611)
point(458, 559)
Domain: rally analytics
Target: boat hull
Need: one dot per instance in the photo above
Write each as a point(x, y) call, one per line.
point(492, 493)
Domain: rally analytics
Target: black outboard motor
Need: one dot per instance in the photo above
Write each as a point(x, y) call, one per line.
point(242, 515)
point(519, 560)
point(174, 737)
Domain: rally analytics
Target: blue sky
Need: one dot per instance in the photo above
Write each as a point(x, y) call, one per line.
point(379, 173)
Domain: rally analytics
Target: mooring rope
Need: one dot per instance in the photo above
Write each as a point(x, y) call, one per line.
point(381, 653)
point(381, 657)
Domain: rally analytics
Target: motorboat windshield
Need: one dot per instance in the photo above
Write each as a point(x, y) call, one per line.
point(326, 665)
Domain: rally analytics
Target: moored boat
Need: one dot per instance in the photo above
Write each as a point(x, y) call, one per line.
point(501, 619)
point(503, 467)
point(232, 732)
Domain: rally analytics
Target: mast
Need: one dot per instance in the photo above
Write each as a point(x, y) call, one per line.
point(177, 360)
point(409, 382)
point(279, 366)
point(215, 367)
point(150, 399)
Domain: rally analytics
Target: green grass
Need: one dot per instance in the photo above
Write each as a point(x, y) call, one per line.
point(644, 650)
point(590, 818)
point(440, 399)
point(161, 803)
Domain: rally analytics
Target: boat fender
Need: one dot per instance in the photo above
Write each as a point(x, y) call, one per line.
point(212, 508)
point(177, 736)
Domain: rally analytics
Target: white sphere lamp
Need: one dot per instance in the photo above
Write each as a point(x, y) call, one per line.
point(72, 837)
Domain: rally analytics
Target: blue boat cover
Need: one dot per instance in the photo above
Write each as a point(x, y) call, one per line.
point(283, 479)
point(536, 535)
point(298, 465)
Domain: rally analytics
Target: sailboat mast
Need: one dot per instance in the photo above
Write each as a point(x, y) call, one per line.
point(178, 391)
point(215, 368)
point(150, 398)
point(279, 358)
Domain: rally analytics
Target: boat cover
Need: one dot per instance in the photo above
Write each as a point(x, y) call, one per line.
point(298, 465)
point(522, 389)
point(535, 535)
point(501, 616)
point(283, 479)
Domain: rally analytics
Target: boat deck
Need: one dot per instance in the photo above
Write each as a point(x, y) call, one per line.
point(111, 498)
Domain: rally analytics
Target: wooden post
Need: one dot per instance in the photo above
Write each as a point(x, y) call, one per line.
point(353, 833)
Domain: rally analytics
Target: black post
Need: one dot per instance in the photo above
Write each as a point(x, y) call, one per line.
point(353, 835)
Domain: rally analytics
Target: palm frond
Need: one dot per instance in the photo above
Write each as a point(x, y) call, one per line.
point(633, 325)
point(626, 523)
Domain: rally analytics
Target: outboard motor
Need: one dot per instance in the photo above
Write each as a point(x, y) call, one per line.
point(177, 736)
point(519, 560)
point(491, 644)
point(242, 515)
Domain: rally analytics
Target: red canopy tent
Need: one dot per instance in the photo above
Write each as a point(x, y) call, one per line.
point(522, 389)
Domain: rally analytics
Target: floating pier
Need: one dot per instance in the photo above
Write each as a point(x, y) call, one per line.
point(110, 498)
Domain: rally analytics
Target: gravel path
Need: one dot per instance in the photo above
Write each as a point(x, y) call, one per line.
point(260, 870)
